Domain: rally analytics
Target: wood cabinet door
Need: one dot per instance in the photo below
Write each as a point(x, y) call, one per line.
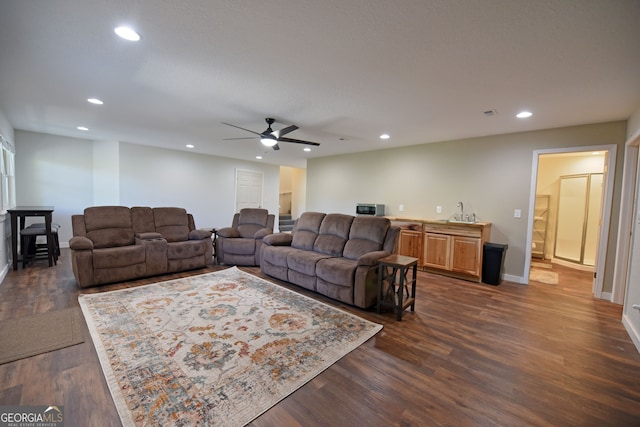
point(410, 243)
point(437, 251)
point(466, 255)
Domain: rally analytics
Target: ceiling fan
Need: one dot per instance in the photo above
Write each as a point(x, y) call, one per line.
point(270, 137)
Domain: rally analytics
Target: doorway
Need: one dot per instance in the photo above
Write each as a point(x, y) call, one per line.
point(557, 245)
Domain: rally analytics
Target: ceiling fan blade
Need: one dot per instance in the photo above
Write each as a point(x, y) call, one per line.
point(275, 147)
point(233, 139)
point(283, 132)
point(238, 127)
point(298, 141)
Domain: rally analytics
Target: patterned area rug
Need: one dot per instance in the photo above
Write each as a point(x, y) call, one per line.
point(215, 349)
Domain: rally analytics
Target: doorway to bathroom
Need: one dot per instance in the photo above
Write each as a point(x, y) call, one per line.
point(571, 203)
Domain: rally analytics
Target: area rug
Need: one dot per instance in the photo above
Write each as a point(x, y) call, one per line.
point(39, 333)
point(541, 265)
point(543, 276)
point(214, 349)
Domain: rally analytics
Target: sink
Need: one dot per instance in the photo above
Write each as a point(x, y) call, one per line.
point(459, 221)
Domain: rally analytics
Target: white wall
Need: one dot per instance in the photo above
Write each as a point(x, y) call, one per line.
point(106, 176)
point(490, 175)
point(54, 171)
point(204, 185)
point(62, 171)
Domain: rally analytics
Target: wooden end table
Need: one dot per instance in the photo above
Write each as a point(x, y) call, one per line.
point(394, 282)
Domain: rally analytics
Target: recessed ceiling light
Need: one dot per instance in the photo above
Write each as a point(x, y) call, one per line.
point(524, 114)
point(82, 128)
point(127, 34)
point(384, 136)
point(95, 101)
point(259, 157)
point(307, 149)
point(190, 146)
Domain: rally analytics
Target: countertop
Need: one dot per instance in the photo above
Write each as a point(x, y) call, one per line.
point(478, 224)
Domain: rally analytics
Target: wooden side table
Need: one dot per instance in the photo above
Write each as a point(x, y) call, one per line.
point(394, 282)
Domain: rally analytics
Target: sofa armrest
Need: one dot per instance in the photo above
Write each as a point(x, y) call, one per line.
point(228, 232)
point(149, 236)
point(199, 235)
point(278, 239)
point(262, 233)
point(370, 259)
point(80, 243)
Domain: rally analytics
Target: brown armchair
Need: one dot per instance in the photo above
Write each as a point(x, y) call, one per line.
point(241, 243)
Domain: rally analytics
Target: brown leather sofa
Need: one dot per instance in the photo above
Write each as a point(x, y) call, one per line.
point(116, 243)
point(333, 254)
point(240, 244)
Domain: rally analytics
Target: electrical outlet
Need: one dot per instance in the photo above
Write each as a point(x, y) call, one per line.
point(438, 209)
point(401, 208)
point(517, 213)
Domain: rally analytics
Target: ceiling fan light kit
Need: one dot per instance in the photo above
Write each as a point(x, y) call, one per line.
point(269, 141)
point(270, 138)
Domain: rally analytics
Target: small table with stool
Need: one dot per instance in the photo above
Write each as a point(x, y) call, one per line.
point(394, 281)
point(22, 212)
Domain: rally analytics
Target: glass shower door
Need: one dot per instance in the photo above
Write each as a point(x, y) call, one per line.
point(579, 203)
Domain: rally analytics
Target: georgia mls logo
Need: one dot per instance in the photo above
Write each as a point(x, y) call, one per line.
point(31, 416)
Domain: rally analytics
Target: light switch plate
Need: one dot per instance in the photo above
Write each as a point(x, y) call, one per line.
point(517, 213)
point(438, 209)
point(401, 208)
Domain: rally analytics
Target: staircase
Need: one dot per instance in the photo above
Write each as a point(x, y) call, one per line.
point(285, 223)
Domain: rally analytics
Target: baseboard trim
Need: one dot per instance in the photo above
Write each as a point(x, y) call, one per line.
point(607, 296)
point(516, 279)
point(633, 334)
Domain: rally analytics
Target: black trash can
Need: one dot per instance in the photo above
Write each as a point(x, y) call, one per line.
point(493, 262)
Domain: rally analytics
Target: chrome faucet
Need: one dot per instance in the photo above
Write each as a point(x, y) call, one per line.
point(461, 206)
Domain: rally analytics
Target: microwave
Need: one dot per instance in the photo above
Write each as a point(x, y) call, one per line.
point(369, 209)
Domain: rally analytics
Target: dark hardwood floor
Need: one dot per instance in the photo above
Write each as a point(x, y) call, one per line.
point(471, 355)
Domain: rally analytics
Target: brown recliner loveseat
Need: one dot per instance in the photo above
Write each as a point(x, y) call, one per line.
point(116, 243)
point(333, 254)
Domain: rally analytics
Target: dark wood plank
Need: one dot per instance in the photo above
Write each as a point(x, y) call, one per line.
point(471, 354)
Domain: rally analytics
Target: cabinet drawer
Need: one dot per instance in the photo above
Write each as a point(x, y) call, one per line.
point(453, 230)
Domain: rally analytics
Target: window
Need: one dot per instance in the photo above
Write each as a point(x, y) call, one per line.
point(7, 175)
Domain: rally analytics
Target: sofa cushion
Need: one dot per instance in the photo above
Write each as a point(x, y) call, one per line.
point(172, 223)
point(339, 271)
point(249, 230)
point(118, 256)
point(333, 234)
point(186, 249)
point(304, 261)
point(109, 226)
point(142, 219)
point(277, 255)
point(239, 246)
point(367, 234)
point(250, 220)
point(306, 230)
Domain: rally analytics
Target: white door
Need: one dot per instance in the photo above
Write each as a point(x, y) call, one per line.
point(248, 189)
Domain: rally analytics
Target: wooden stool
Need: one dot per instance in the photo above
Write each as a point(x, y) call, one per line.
point(30, 248)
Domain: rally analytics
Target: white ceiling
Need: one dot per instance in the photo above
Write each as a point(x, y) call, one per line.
point(344, 71)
